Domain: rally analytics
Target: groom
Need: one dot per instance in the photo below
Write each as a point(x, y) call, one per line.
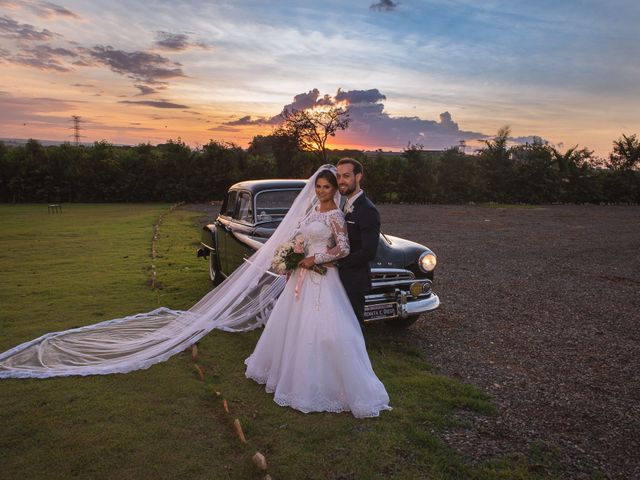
point(363, 228)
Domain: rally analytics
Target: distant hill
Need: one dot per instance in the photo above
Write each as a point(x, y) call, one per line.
point(15, 142)
point(373, 153)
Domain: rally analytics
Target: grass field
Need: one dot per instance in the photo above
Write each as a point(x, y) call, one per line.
point(92, 263)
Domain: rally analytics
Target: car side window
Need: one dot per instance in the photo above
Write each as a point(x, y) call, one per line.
point(229, 204)
point(244, 212)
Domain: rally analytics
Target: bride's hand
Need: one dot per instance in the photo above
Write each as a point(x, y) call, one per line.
point(307, 262)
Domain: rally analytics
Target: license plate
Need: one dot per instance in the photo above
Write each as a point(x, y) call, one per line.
point(380, 311)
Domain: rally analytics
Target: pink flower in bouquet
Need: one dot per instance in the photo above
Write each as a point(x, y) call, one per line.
point(298, 244)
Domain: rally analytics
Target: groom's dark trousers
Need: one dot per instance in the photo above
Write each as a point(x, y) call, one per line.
point(363, 229)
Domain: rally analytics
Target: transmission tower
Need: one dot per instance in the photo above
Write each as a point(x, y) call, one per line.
point(76, 129)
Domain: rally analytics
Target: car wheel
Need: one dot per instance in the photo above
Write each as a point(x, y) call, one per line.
point(214, 270)
point(403, 322)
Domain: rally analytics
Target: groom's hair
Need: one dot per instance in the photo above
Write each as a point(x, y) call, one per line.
point(357, 166)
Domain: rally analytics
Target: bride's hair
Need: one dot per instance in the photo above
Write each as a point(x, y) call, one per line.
point(329, 176)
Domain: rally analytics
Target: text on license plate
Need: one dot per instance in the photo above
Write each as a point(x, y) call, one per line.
point(380, 311)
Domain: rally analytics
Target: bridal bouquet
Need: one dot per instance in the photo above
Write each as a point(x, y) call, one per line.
point(288, 255)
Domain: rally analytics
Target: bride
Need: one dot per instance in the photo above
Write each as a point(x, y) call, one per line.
point(311, 353)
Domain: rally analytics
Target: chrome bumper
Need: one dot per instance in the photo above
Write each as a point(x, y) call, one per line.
point(421, 305)
point(407, 305)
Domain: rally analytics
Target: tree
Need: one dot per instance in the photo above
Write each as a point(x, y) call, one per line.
point(417, 177)
point(577, 174)
point(457, 177)
point(624, 161)
point(283, 146)
point(312, 128)
point(495, 159)
point(536, 178)
point(626, 154)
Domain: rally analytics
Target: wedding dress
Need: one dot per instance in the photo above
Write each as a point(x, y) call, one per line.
point(312, 354)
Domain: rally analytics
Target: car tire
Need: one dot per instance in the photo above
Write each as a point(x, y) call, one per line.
point(214, 270)
point(400, 323)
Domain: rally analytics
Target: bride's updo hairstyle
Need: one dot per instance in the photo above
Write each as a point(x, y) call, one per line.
point(329, 176)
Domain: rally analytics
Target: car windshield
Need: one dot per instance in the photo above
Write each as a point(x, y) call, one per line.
point(273, 205)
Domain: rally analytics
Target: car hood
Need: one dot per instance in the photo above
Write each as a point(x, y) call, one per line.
point(396, 252)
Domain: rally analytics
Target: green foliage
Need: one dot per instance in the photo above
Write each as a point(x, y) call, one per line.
point(626, 153)
point(458, 177)
point(171, 172)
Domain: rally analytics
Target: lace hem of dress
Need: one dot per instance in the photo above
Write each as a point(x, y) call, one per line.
point(320, 404)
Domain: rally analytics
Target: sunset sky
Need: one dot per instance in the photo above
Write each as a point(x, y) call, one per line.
point(427, 72)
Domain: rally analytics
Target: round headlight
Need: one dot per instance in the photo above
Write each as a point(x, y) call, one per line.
point(427, 261)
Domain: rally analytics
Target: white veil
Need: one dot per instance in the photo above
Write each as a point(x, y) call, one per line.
point(241, 303)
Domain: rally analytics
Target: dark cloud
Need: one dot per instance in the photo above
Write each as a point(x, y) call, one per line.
point(360, 96)
point(384, 6)
point(84, 62)
point(141, 66)
point(158, 117)
point(172, 41)
point(42, 57)
point(528, 139)
point(176, 42)
point(51, 10)
point(88, 85)
point(9, 28)
point(247, 120)
point(302, 101)
point(153, 103)
point(144, 90)
point(224, 128)
point(370, 124)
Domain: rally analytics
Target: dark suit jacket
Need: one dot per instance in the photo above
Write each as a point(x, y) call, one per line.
point(363, 228)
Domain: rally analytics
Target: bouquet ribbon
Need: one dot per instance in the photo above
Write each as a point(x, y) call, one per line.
point(299, 281)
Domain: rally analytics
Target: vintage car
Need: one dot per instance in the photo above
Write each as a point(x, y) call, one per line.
point(401, 273)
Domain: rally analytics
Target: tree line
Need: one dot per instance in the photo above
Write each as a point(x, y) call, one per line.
point(498, 172)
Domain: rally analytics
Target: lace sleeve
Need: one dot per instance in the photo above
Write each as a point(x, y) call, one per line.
point(339, 232)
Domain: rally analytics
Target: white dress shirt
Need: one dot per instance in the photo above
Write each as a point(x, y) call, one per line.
point(349, 203)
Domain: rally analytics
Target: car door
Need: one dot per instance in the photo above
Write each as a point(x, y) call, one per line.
point(224, 227)
point(242, 227)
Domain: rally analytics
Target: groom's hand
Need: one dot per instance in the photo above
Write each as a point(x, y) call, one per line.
point(307, 262)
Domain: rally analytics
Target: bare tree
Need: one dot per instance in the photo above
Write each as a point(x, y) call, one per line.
point(312, 128)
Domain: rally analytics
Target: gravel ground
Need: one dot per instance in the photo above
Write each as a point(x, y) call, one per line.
point(540, 308)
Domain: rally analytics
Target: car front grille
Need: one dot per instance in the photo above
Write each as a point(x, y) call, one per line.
point(382, 277)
